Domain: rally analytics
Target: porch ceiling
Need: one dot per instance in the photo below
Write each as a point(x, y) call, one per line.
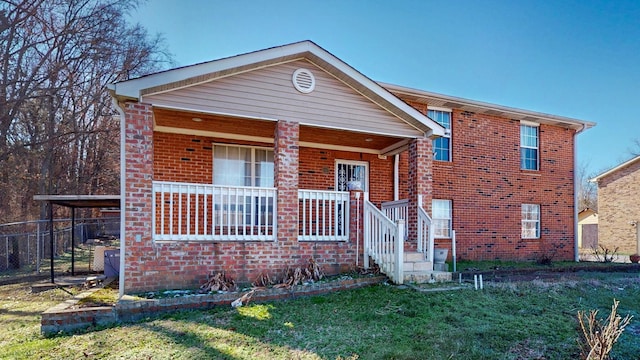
point(261, 131)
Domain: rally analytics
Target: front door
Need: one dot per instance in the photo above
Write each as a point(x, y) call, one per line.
point(352, 175)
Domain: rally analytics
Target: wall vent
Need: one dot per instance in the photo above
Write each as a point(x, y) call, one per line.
point(304, 81)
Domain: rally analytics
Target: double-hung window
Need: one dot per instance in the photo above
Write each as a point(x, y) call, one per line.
point(441, 221)
point(239, 170)
point(242, 166)
point(442, 145)
point(529, 146)
point(530, 221)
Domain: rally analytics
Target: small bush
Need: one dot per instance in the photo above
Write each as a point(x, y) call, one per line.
point(598, 337)
point(604, 254)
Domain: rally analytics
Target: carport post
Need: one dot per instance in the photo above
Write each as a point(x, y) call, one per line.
point(73, 241)
point(51, 237)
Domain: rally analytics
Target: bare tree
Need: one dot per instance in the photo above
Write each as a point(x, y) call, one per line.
point(58, 131)
point(587, 190)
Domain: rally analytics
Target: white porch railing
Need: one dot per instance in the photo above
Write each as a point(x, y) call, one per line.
point(323, 215)
point(425, 234)
point(399, 209)
point(185, 211)
point(396, 210)
point(384, 242)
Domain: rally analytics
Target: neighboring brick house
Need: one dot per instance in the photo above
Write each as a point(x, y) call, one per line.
point(619, 207)
point(587, 230)
point(260, 161)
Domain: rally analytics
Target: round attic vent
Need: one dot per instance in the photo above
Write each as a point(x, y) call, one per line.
point(304, 81)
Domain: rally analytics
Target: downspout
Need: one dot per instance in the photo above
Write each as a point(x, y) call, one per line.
point(576, 250)
point(396, 177)
point(122, 195)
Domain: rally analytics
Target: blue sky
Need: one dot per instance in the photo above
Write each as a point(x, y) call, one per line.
point(579, 59)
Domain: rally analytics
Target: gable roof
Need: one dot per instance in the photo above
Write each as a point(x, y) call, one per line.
point(207, 71)
point(616, 169)
point(453, 102)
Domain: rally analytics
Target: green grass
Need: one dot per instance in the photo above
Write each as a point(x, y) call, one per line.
point(528, 320)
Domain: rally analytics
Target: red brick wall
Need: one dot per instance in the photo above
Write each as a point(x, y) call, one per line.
point(188, 158)
point(182, 158)
point(487, 188)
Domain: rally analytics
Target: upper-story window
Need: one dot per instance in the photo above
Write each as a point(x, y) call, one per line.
point(442, 145)
point(242, 166)
point(529, 146)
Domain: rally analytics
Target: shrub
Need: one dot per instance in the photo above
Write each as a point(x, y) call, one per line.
point(598, 337)
point(604, 254)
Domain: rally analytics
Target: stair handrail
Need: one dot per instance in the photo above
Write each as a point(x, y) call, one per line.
point(384, 242)
point(425, 232)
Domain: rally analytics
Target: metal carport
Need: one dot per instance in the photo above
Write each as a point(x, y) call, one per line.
point(74, 202)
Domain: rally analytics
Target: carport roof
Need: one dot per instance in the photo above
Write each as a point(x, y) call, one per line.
point(82, 201)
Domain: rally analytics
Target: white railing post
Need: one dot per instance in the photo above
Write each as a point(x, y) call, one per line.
point(453, 249)
point(399, 252)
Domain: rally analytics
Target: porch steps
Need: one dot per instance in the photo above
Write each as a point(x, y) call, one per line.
point(418, 270)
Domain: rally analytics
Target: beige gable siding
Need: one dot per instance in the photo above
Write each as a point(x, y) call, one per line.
point(269, 93)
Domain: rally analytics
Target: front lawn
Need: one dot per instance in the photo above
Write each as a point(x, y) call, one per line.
point(528, 320)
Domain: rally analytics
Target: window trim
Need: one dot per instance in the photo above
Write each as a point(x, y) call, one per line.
point(253, 161)
point(536, 222)
point(447, 133)
point(449, 219)
point(537, 148)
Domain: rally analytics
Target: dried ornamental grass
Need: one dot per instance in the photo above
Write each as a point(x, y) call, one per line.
point(598, 338)
point(218, 282)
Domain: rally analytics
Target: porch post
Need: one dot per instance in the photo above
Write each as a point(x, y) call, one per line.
point(286, 155)
point(137, 196)
point(420, 183)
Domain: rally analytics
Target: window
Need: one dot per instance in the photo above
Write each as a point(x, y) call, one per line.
point(530, 221)
point(441, 218)
point(528, 147)
point(242, 166)
point(441, 145)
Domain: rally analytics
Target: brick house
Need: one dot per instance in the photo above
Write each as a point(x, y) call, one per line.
point(260, 161)
point(619, 208)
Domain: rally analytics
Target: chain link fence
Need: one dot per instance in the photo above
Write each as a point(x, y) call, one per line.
point(25, 247)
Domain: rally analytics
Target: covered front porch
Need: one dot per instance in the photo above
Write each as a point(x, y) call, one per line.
point(343, 191)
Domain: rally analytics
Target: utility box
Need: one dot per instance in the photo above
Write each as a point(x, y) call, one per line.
point(112, 263)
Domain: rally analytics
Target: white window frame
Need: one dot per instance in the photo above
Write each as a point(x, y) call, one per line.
point(365, 164)
point(447, 133)
point(253, 162)
point(537, 148)
point(525, 227)
point(437, 217)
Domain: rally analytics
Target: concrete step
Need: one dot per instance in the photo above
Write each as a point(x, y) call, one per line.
point(413, 256)
point(411, 266)
point(424, 277)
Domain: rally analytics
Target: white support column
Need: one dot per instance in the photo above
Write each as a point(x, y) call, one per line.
point(399, 252)
point(396, 177)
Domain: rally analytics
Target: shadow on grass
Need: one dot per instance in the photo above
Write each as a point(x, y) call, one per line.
point(19, 313)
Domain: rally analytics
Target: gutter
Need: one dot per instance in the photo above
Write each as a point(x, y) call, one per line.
point(576, 250)
point(123, 196)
